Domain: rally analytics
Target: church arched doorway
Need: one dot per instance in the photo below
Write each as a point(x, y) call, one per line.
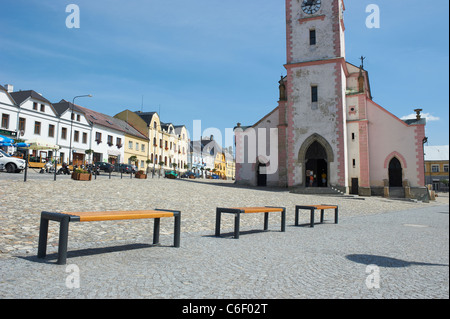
point(261, 175)
point(316, 166)
point(395, 173)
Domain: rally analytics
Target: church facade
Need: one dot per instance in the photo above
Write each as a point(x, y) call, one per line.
point(326, 130)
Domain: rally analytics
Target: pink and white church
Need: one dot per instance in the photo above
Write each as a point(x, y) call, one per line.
point(326, 130)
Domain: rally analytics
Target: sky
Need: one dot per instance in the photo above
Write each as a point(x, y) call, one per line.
point(215, 61)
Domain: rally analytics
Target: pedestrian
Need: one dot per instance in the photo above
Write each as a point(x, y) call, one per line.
point(324, 179)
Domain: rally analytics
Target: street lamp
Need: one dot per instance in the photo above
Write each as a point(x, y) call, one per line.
point(71, 124)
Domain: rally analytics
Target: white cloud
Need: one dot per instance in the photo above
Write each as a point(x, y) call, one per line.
point(426, 116)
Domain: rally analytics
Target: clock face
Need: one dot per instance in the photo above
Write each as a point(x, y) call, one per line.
point(311, 6)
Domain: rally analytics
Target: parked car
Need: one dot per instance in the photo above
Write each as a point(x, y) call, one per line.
point(190, 175)
point(170, 174)
point(215, 176)
point(11, 164)
point(124, 168)
point(106, 167)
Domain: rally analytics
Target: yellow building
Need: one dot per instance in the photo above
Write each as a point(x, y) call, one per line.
point(437, 167)
point(135, 146)
point(167, 144)
point(230, 167)
point(220, 165)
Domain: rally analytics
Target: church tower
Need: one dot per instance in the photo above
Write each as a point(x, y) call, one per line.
point(312, 121)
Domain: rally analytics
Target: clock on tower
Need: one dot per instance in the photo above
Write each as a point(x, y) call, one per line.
point(311, 6)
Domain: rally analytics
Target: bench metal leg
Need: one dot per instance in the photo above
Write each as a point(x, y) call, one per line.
point(63, 235)
point(283, 220)
point(336, 215)
point(312, 218)
point(177, 230)
point(218, 216)
point(296, 215)
point(63, 240)
point(322, 212)
point(266, 221)
point(237, 220)
point(156, 228)
point(43, 235)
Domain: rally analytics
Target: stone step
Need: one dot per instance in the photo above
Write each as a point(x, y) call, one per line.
point(396, 192)
point(316, 191)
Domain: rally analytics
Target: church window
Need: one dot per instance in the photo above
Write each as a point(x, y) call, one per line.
point(312, 37)
point(354, 162)
point(353, 136)
point(314, 93)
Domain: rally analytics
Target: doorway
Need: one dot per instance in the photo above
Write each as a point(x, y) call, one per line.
point(261, 175)
point(395, 173)
point(316, 168)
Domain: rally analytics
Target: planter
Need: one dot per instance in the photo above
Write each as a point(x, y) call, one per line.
point(141, 176)
point(81, 176)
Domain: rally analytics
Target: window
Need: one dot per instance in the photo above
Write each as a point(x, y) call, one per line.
point(130, 145)
point(312, 37)
point(42, 107)
point(5, 121)
point(98, 137)
point(84, 140)
point(137, 146)
point(110, 140)
point(51, 130)
point(35, 106)
point(154, 125)
point(76, 136)
point(446, 168)
point(314, 94)
point(118, 142)
point(435, 168)
point(353, 136)
point(37, 128)
point(78, 117)
point(142, 147)
point(64, 133)
point(72, 116)
point(22, 122)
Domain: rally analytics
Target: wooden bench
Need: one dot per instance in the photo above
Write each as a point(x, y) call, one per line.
point(237, 211)
point(65, 218)
point(313, 208)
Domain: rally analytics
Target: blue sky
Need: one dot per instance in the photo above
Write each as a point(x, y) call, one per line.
point(215, 61)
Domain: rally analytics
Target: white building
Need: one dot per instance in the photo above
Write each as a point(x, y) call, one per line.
point(75, 128)
point(107, 137)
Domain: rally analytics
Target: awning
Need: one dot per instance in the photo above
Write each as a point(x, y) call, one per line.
point(40, 144)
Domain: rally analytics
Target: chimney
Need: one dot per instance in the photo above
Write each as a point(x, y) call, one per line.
point(9, 88)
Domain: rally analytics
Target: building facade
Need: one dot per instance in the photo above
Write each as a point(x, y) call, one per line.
point(326, 130)
point(168, 143)
point(436, 167)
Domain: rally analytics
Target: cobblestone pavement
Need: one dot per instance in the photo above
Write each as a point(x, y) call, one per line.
point(408, 241)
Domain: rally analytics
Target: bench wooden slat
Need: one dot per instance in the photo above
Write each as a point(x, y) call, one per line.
point(249, 210)
point(118, 215)
point(324, 206)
